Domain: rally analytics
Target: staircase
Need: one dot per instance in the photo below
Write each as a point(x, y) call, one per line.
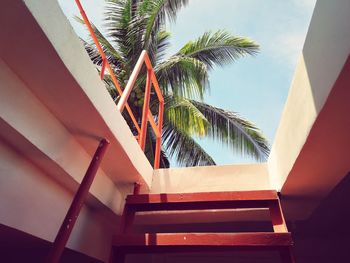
point(128, 243)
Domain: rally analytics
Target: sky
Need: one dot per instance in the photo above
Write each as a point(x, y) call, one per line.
point(254, 87)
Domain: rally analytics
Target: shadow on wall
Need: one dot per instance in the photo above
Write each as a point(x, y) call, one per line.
point(326, 47)
point(310, 154)
point(325, 236)
point(18, 246)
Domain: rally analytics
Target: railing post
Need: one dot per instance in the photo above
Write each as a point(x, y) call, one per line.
point(145, 109)
point(102, 73)
point(77, 203)
point(129, 86)
point(137, 188)
point(123, 102)
point(159, 138)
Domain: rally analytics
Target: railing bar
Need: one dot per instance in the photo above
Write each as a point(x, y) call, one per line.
point(137, 126)
point(160, 116)
point(159, 139)
point(156, 87)
point(103, 68)
point(120, 92)
point(131, 82)
point(157, 153)
point(151, 79)
point(147, 61)
point(87, 23)
point(145, 110)
point(105, 63)
point(153, 124)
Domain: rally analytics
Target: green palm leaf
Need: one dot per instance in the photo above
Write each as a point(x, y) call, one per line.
point(133, 25)
point(161, 45)
point(239, 134)
point(218, 48)
point(183, 115)
point(184, 148)
point(156, 12)
point(113, 56)
point(183, 76)
point(125, 29)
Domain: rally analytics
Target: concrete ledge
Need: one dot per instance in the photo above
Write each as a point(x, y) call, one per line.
point(60, 74)
point(309, 154)
point(211, 179)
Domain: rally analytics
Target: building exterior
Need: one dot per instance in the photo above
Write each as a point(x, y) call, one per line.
point(54, 109)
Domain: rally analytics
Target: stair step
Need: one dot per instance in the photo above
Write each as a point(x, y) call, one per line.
point(211, 200)
point(128, 243)
point(135, 242)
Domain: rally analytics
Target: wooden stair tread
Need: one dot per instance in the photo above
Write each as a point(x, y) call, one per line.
point(202, 197)
point(251, 239)
point(127, 243)
point(209, 200)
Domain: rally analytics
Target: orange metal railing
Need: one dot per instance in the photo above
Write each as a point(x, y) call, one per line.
point(147, 116)
point(146, 113)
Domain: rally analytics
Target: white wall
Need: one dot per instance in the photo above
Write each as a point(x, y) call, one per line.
point(326, 49)
point(211, 179)
point(31, 201)
point(21, 110)
point(89, 111)
point(40, 163)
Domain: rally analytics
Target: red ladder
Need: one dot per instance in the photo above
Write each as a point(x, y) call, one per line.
point(128, 243)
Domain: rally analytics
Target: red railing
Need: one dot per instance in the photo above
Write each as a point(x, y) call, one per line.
point(147, 115)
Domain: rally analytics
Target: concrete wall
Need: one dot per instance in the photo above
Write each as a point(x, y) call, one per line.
point(60, 74)
point(309, 156)
point(133, 165)
point(31, 201)
point(211, 179)
point(41, 166)
point(325, 52)
point(26, 115)
point(53, 111)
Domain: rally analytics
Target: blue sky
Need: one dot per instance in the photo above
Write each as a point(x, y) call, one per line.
point(255, 87)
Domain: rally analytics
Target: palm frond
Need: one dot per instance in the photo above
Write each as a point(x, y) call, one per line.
point(150, 148)
point(119, 15)
point(183, 77)
point(157, 11)
point(183, 115)
point(134, 40)
point(164, 160)
point(219, 48)
point(112, 54)
point(182, 147)
point(239, 134)
point(161, 45)
point(133, 25)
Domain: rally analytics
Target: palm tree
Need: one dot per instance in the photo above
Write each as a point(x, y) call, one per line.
point(134, 25)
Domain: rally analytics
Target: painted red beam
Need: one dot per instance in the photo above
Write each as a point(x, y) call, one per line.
point(263, 195)
point(202, 242)
point(200, 201)
point(77, 203)
point(199, 205)
point(239, 240)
